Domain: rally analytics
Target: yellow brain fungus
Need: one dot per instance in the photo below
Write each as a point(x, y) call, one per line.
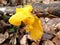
point(33, 23)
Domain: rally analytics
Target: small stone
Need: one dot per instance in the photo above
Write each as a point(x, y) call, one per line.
point(23, 40)
point(34, 43)
point(47, 36)
point(56, 41)
point(48, 42)
point(46, 28)
point(58, 26)
point(3, 37)
point(58, 34)
point(47, 19)
point(43, 20)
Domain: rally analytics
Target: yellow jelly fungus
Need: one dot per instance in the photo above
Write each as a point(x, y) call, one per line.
point(33, 23)
point(26, 8)
point(35, 29)
point(16, 19)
